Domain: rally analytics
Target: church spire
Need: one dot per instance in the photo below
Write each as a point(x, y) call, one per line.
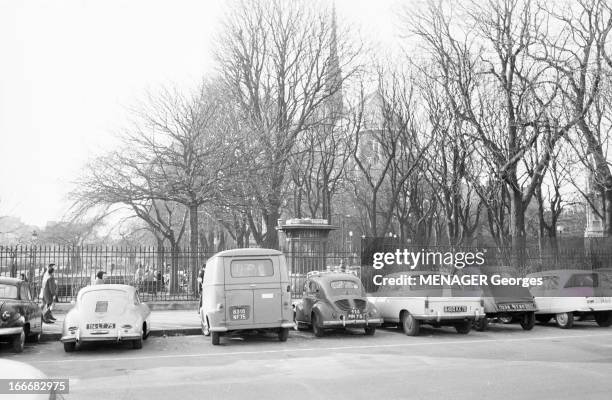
point(334, 74)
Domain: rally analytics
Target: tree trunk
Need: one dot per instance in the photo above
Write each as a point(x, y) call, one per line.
point(271, 220)
point(161, 254)
point(193, 246)
point(517, 229)
point(174, 264)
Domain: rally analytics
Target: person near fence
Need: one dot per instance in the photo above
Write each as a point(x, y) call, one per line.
point(139, 275)
point(49, 294)
point(99, 278)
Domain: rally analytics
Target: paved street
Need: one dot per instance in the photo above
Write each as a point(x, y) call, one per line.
point(505, 362)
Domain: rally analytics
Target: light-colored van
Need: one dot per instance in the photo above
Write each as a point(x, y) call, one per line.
point(246, 289)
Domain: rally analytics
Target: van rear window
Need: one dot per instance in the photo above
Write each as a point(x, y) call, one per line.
point(251, 268)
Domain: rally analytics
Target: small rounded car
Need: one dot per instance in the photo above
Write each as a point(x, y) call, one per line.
point(504, 303)
point(335, 300)
point(566, 294)
point(104, 313)
point(20, 316)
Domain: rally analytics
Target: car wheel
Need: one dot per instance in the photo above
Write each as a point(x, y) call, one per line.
point(410, 325)
point(543, 318)
point(528, 321)
point(463, 327)
point(205, 326)
point(19, 342)
point(283, 334)
point(370, 330)
point(137, 343)
point(216, 338)
point(603, 318)
point(481, 324)
point(317, 326)
point(69, 347)
point(565, 320)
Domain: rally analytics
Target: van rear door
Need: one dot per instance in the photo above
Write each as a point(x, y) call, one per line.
point(252, 290)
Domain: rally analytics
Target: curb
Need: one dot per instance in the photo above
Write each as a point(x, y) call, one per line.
point(54, 337)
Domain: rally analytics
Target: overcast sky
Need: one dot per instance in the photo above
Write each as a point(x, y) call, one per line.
point(70, 69)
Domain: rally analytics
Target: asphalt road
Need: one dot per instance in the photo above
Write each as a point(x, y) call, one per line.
point(503, 363)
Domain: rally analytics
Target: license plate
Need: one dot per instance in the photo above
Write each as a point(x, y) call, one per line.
point(512, 307)
point(239, 313)
point(355, 314)
point(455, 308)
point(101, 325)
point(600, 300)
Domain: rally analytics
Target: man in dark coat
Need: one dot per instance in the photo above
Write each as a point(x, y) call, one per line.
point(49, 294)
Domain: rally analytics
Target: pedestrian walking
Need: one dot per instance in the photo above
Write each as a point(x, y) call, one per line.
point(99, 278)
point(49, 294)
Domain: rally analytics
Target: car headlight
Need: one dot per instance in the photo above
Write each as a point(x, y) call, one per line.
point(6, 315)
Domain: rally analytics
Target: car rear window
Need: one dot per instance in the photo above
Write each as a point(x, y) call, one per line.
point(8, 291)
point(582, 280)
point(343, 285)
point(105, 300)
point(251, 268)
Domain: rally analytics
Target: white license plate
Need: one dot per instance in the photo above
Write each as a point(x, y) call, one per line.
point(101, 325)
point(512, 307)
point(455, 308)
point(239, 313)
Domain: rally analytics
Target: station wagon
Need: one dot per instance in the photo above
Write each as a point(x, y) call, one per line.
point(566, 294)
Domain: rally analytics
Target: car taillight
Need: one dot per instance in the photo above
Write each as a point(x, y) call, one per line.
point(72, 329)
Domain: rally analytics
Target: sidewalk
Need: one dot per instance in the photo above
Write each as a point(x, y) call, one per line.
point(163, 323)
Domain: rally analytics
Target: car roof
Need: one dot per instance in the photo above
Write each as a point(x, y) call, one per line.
point(93, 288)
point(248, 252)
point(10, 281)
point(330, 276)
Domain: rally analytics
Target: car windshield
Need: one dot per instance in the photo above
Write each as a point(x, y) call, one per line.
point(345, 286)
point(8, 291)
point(113, 301)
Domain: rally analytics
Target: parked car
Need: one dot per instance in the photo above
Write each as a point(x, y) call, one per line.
point(246, 289)
point(20, 315)
point(410, 306)
point(503, 302)
point(106, 313)
point(566, 294)
point(334, 300)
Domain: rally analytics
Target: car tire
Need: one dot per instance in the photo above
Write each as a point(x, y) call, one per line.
point(216, 338)
point(19, 342)
point(370, 330)
point(528, 321)
point(205, 326)
point(283, 334)
point(137, 343)
point(481, 324)
point(463, 327)
point(543, 318)
point(69, 347)
point(410, 325)
point(603, 318)
point(317, 327)
point(565, 320)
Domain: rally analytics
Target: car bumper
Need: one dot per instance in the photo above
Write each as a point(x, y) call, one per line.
point(285, 324)
point(449, 317)
point(353, 322)
point(108, 337)
point(15, 330)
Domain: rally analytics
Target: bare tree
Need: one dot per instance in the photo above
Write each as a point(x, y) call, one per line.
point(274, 58)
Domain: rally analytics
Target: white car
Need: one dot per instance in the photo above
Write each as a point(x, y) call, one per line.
point(106, 313)
point(20, 371)
point(565, 294)
point(410, 306)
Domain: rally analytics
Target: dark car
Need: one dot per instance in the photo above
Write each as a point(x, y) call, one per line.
point(335, 300)
point(20, 316)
